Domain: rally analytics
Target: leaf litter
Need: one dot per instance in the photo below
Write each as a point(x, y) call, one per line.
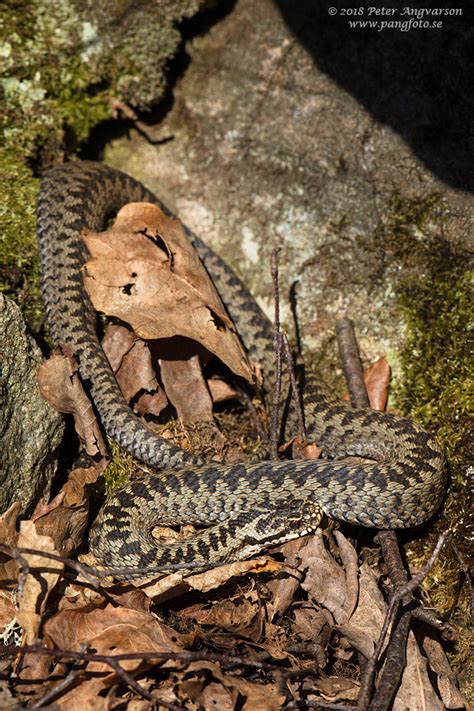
point(290, 629)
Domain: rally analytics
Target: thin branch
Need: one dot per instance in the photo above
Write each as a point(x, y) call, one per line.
point(398, 575)
point(88, 573)
point(394, 665)
point(63, 685)
point(130, 681)
point(277, 345)
point(58, 689)
point(186, 657)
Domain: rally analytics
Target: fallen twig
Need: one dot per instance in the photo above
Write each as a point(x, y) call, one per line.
point(395, 599)
point(351, 364)
point(186, 657)
point(90, 574)
point(396, 650)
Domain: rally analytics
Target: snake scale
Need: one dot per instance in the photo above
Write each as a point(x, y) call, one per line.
point(244, 507)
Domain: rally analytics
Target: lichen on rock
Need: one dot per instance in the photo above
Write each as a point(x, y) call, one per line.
point(60, 62)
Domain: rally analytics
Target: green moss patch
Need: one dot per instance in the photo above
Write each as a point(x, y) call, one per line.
point(60, 62)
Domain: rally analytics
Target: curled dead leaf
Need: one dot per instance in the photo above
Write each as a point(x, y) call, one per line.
point(186, 388)
point(42, 576)
point(266, 697)
point(174, 584)
point(145, 272)
point(109, 631)
point(130, 360)
point(60, 385)
point(334, 688)
point(65, 518)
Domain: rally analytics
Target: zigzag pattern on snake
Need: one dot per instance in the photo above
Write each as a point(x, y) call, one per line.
point(247, 507)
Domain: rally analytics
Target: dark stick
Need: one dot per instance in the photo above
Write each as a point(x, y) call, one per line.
point(398, 575)
point(58, 689)
point(395, 599)
point(394, 666)
point(396, 650)
point(351, 364)
point(130, 681)
point(277, 345)
point(11, 650)
point(89, 573)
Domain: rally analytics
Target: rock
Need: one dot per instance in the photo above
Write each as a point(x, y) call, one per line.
point(270, 151)
point(30, 430)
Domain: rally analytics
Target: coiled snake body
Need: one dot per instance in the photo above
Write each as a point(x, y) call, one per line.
point(247, 507)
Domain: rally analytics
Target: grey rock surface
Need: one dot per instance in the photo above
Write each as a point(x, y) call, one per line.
point(30, 430)
point(270, 150)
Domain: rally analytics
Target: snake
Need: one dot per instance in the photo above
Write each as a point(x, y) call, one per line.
point(243, 508)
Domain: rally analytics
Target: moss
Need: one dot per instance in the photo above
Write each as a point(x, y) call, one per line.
point(434, 299)
point(407, 213)
point(437, 312)
point(121, 465)
point(19, 275)
point(59, 64)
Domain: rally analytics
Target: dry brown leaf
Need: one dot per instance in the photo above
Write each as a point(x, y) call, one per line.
point(241, 615)
point(9, 537)
point(377, 380)
point(312, 625)
point(43, 574)
point(112, 628)
point(131, 598)
point(221, 391)
point(79, 597)
point(216, 696)
point(61, 387)
point(363, 628)
point(65, 518)
point(287, 583)
point(35, 669)
point(174, 585)
point(301, 449)
point(332, 585)
point(416, 690)
point(265, 697)
point(187, 390)
point(109, 631)
point(351, 594)
point(130, 360)
point(334, 688)
point(447, 685)
point(145, 272)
